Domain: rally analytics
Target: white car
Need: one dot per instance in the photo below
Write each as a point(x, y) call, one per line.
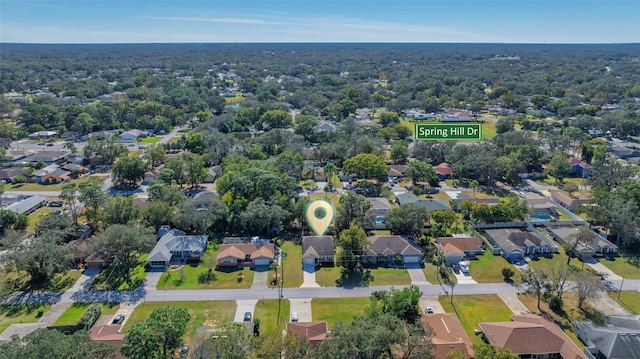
point(464, 268)
point(294, 317)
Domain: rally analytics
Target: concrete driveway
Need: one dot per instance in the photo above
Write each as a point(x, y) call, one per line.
point(513, 302)
point(243, 307)
point(430, 301)
point(416, 274)
point(303, 307)
point(309, 276)
point(601, 268)
point(260, 277)
point(464, 278)
point(126, 309)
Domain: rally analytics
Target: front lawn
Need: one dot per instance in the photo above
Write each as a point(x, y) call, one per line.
point(432, 274)
point(21, 313)
point(18, 281)
point(488, 268)
point(108, 279)
point(33, 187)
point(150, 139)
point(267, 312)
point(329, 276)
point(473, 309)
point(194, 277)
point(488, 129)
point(334, 310)
point(211, 313)
point(629, 300)
point(292, 262)
point(72, 315)
point(623, 266)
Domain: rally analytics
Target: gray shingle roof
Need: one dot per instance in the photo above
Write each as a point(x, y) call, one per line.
point(390, 245)
point(317, 245)
point(176, 241)
point(26, 204)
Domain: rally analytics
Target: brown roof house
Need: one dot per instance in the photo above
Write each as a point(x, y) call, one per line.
point(448, 335)
point(9, 174)
point(568, 201)
point(458, 248)
point(245, 254)
point(109, 334)
point(593, 244)
point(318, 250)
point(443, 171)
point(391, 250)
point(314, 332)
point(531, 336)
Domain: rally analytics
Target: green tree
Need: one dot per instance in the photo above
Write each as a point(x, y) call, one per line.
point(156, 155)
point(507, 273)
point(330, 170)
point(389, 119)
point(195, 169)
point(161, 192)
point(352, 241)
point(407, 219)
point(276, 119)
point(421, 171)
point(118, 210)
point(261, 216)
point(488, 351)
point(474, 185)
point(42, 256)
point(157, 214)
point(232, 341)
point(365, 165)
point(68, 196)
point(54, 344)
point(93, 197)
point(446, 218)
point(128, 170)
point(535, 283)
point(401, 303)
point(305, 126)
point(353, 209)
point(290, 163)
point(122, 245)
point(559, 168)
point(399, 151)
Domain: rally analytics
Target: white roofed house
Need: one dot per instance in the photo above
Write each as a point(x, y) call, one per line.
point(175, 246)
point(132, 135)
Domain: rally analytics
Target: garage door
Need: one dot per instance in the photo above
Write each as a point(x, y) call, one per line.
point(262, 262)
point(412, 259)
point(309, 260)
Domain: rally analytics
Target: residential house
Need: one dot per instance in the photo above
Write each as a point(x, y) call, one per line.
point(404, 198)
point(397, 170)
point(568, 201)
point(28, 205)
point(175, 246)
point(432, 205)
point(81, 255)
point(318, 250)
point(314, 332)
point(132, 135)
point(43, 134)
point(7, 199)
point(9, 174)
point(109, 334)
point(238, 252)
point(541, 209)
point(152, 174)
point(443, 171)
point(141, 203)
point(623, 153)
point(391, 250)
point(455, 119)
point(75, 169)
point(465, 197)
point(618, 338)
point(380, 208)
point(448, 335)
point(579, 168)
point(458, 248)
point(531, 336)
point(50, 157)
point(532, 172)
point(59, 175)
point(566, 232)
point(514, 240)
point(325, 126)
point(17, 155)
point(70, 136)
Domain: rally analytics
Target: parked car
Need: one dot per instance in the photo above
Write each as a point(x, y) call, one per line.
point(294, 317)
point(50, 144)
point(429, 310)
point(247, 316)
point(464, 268)
point(118, 319)
point(183, 351)
point(40, 143)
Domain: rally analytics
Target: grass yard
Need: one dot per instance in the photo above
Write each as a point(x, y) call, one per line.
point(22, 313)
point(190, 277)
point(334, 310)
point(211, 313)
point(488, 268)
point(108, 280)
point(233, 100)
point(564, 216)
point(329, 276)
point(292, 262)
point(150, 139)
point(334, 198)
point(72, 315)
point(36, 216)
point(17, 281)
point(472, 309)
point(541, 263)
point(33, 187)
point(433, 276)
point(570, 315)
point(488, 129)
point(629, 300)
point(267, 311)
point(622, 267)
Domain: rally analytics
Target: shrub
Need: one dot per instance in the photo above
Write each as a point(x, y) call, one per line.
point(90, 316)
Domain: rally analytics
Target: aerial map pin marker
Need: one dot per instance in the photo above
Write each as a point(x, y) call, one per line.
point(319, 216)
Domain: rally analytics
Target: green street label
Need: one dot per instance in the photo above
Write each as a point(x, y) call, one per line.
point(452, 132)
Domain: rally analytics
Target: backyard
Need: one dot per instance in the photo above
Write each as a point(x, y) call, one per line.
point(21, 313)
point(334, 310)
point(472, 310)
point(267, 312)
point(211, 313)
point(72, 315)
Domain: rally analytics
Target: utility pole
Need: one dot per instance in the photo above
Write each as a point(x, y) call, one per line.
point(452, 286)
point(620, 290)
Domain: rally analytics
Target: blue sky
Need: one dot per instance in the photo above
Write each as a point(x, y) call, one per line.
point(143, 21)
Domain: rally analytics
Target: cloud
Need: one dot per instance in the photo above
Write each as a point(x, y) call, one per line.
point(219, 20)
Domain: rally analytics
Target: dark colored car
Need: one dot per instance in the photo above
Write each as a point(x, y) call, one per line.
point(247, 316)
point(118, 319)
